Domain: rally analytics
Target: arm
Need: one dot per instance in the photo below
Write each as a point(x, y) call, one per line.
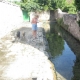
point(32, 20)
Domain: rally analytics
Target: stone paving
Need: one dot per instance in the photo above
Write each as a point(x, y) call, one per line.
point(25, 58)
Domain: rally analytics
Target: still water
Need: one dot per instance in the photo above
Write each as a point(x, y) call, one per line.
point(65, 50)
point(64, 62)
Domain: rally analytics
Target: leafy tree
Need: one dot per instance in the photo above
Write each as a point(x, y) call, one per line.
point(46, 4)
point(37, 5)
point(77, 3)
point(30, 6)
point(42, 4)
point(58, 4)
point(70, 7)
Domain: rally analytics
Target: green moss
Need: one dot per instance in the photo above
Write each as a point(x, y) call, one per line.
point(78, 22)
point(61, 23)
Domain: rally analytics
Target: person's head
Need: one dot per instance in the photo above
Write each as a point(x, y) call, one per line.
point(36, 16)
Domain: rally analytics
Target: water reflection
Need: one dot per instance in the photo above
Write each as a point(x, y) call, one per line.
point(56, 42)
point(64, 48)
point(75, 47)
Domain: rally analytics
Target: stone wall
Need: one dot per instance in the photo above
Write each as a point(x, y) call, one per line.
point(10, 17)
point(43, 16)
point(71, 21)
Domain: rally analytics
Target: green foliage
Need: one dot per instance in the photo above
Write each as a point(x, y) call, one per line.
point(59, 4)
point(46, 4)
point(55, 44)
point(78, 22)
point(60, 22)
point(38, 5)
point(16, 2)
point(30, 6)
point(70, 7)
point(77, 3)
point(24, 1)
point(46, 7)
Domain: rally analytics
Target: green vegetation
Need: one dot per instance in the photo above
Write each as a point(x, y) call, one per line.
point(31, 5)
point(77, 3)
point(76, 70)
point(56, 43)
point(39, 5)
point(70, 7)
point(60, 21)
point(59, 4)
point(78, 22)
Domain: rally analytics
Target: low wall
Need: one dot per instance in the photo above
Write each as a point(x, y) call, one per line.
point(44, 15)
point(10, 16)
point(69, 23)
